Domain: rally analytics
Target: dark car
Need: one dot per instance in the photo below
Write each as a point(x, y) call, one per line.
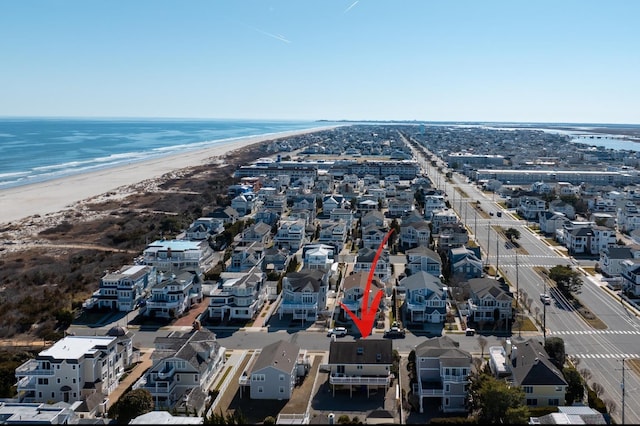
point(394, 333)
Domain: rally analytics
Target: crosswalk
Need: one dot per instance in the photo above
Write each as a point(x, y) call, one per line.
point(577, 332)
point(598, 332)
point(609, 356)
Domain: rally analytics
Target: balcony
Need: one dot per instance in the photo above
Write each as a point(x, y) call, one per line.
point(360, 380)
point(32, 368)
point(166, 373)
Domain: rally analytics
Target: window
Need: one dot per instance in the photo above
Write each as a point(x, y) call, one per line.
point(446, 388)
point(260, 389)
point(554, 402)
point(282, 377)
point(281, 389)
point(532, 402)
point(527, 389)
point(359, 367)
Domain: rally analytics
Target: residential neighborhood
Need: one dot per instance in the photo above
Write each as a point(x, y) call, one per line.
point(302, 242)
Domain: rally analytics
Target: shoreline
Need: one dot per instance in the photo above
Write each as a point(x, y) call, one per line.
point(52, 196)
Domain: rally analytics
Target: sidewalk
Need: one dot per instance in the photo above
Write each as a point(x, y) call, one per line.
point(132, 377)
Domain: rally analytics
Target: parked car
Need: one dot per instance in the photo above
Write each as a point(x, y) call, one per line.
point(470, 332)
point(337, 331)
point(394, 332)
point(545, 298)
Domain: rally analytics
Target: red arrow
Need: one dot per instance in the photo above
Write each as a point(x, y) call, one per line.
point(365, 324)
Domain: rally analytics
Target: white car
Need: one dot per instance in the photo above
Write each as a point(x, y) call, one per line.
point(337, 331)
point(545, 298)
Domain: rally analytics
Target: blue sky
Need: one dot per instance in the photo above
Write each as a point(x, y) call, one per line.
point(509, 61)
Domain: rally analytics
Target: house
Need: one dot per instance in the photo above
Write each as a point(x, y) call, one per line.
point(442, 371)
point(227, 215)
point(204, 227)
point(259, 232)
point(16, 413)
point(452, 235)
point(332, 202)
point(425, 298)
point(354, 286)
point(304, 294)
point(342, 214)
point(318, 256)
point(543, 383)
point(165, 418)
point(465, 263)
point(360, 364)
point(364, 262)
point(274, 373)
point(398, 208)
point(174, 294)
point(612, 259)
point(416, 233)
point(244, 204)
point(123, 289)
point(373, 218)
point(372, 236)
point(571, 415)
point(183, 370)
point(628, 217)
point(566, 209)
point(422, 258)
point(433, 203)
point(530, 207)
point(240, 296)
point(441, 218)
point(291, 234)
point(276, 203)
point(266, 215)
point(246, 257)
point(333, 233)
point(73, 369)
point(550, 222)
point(175, 255)
point(488, 302)
point(275, 260)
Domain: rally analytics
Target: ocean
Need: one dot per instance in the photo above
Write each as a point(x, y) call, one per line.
point(39, 149)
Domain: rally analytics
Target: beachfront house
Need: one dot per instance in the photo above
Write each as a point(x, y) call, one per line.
point(176, 255)
point(124, 289)
point(184, 366)
point(442, 371)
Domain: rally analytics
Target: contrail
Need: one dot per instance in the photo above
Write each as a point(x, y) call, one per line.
point(276, 36)
point(351, 7)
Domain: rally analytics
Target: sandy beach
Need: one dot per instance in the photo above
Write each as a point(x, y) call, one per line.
point(56, 195)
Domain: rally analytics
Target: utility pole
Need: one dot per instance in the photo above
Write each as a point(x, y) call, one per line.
point(623, 390)
point(497, 253)
point(518, 295)
point(488, 242)
point(544, 315)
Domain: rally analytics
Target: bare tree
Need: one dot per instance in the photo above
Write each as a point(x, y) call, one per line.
point(477, 363)
point(612, 407)
point(482, 342)
point(586, 374)
point(597, 388)
point(537, 309)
